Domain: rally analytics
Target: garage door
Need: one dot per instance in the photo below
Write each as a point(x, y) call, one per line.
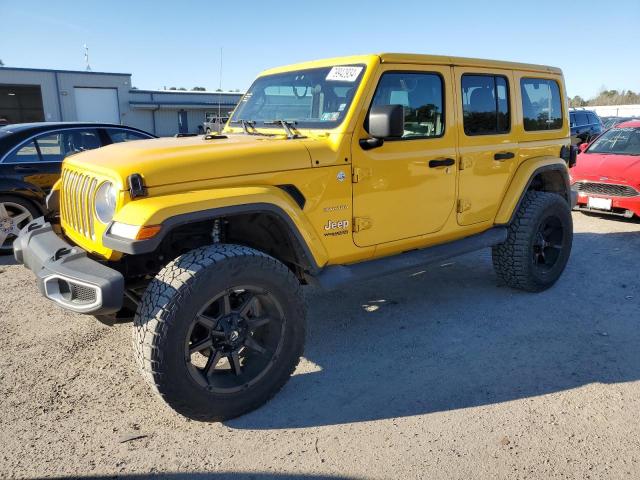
point(97, 105)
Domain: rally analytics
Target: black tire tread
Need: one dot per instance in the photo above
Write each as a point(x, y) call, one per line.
point(167, 292)
point(511, 259)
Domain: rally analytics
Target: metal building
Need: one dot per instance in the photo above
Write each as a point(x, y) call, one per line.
point(32, 95)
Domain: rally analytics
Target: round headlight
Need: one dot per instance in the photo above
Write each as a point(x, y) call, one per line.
point(105, 202)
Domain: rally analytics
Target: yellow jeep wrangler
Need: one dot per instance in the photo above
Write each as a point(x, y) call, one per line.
point(327, 173)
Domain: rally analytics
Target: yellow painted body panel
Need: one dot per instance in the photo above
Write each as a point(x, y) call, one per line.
point(407, 204)
point(519, 183)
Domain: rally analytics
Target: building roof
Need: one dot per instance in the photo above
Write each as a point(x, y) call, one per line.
point(205, 92)
point(49, 70)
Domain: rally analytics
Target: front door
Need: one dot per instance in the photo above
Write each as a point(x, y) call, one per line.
point(407, 187)
point(183, 124)
point(488, 145)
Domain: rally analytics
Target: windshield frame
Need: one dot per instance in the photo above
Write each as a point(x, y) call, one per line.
point(605, 135)
point(357, 84)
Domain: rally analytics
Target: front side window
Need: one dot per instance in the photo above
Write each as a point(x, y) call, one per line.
point(485, 104)
point(618, 141)
point(541, 105)
point(117, 135)
point(313, 98)
point(28, 153)
point(54, 147)
point(421, 95)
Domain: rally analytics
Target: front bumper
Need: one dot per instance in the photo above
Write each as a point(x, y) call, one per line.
point(65, 274)
point(620, 206)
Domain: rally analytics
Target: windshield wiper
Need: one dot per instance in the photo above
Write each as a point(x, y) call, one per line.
point(287, 126)
point(246, 124)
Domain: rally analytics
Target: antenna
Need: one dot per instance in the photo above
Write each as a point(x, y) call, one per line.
point(220, 87)
point(86, 58)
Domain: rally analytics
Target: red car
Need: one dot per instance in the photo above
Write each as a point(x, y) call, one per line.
point(607, 173)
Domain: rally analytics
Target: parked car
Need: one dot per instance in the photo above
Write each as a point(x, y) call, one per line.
point(607, 173)
point(215, 124)
point(330, 173)
point(31, 156)
point(613, 121)
point(585, 125)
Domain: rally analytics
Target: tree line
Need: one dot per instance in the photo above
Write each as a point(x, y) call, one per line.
point(607, 97)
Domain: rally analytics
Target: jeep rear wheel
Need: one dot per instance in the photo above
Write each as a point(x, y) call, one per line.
point(538, 244)
point(219, 331)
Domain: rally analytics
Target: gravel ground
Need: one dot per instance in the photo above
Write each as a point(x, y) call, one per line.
point(438, 374)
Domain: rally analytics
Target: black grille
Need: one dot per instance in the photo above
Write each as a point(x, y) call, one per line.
point(606, 189)
point(81, 294)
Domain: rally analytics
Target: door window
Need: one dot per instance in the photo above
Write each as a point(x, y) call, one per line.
point(28, 153)
point(421, 95)
point(541, 107)
point(117, 135)
point(54, 147)
point(582, 119)
point(485, 104)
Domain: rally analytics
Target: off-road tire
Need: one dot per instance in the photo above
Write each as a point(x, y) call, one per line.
point(513, 260)
point(166, 310)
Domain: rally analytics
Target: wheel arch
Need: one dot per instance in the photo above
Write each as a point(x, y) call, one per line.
point(270, 220)
point(545, 174)
point(24, 191)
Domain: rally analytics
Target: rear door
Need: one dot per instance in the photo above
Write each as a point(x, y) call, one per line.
point(487, 143)
point(407, 186)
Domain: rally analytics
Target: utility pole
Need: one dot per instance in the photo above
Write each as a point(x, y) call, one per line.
point(86, 58)
point(220, 87)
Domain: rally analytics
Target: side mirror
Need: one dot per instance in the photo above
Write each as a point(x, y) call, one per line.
point(583, 146)
point(386, 121)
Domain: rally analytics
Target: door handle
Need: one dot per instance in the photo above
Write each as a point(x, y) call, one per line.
point(503, 156)
point(24, 169)
point(441, 162)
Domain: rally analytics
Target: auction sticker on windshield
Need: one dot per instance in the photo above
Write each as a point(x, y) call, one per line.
point(344, 74)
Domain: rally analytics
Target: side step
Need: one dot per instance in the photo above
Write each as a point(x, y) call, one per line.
point(335, 276)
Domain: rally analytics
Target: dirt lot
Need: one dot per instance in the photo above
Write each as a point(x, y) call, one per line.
point(431, 375)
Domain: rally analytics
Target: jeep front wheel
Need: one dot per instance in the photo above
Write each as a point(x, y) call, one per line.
point(219, 331)
point(538, 244)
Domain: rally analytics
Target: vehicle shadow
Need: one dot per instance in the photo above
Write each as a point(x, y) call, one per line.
point(448, 338)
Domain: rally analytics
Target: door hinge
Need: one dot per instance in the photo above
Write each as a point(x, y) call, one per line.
point(359, 173)
point(463, 205)
point(361, 223)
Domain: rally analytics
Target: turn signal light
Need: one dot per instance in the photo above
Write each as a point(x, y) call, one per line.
point(148, 232)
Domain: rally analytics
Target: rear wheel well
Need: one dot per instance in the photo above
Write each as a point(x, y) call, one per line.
point(552, 181)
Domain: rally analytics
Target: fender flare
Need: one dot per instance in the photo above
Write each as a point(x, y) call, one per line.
point(312, 258)
point(510, 206)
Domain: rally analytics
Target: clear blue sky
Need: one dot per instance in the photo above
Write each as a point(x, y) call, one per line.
point(178, 43)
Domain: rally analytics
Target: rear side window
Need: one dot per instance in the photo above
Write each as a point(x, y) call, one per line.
point(485, 104)
point(28, 153)
point(581, 119)
point(117, 136)
point(541, 105)
point(421, 95)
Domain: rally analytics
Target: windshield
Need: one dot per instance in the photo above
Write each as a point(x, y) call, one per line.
point(618, 141)
point(313, 98)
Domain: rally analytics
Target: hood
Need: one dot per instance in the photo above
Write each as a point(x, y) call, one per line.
point(165, 161)
point(595, 166)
